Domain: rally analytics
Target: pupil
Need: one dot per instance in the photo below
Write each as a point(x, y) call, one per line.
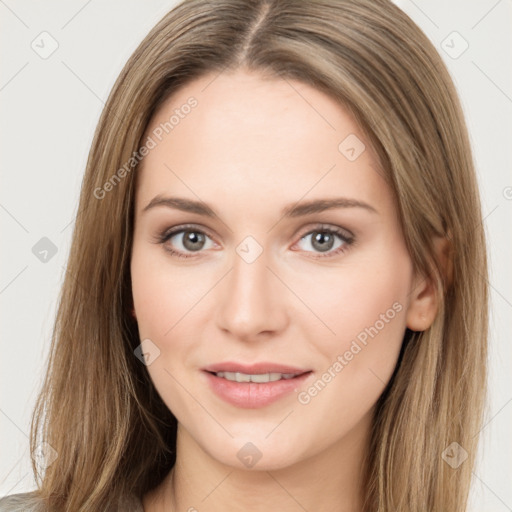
point(320, 238)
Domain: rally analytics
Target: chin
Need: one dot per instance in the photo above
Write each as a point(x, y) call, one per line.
point(255, 453)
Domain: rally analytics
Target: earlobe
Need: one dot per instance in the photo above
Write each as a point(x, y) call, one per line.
point(424, 302)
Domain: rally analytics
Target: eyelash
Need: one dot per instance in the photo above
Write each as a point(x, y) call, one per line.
point(347, 240)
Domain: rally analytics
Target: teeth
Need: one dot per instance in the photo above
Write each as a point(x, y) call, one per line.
point(258, 377)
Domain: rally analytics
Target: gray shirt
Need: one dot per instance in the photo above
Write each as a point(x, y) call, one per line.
point(29, 502)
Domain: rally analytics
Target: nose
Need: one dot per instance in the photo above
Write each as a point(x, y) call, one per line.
point(252, 300)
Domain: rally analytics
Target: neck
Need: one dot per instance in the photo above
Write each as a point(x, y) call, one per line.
point(329, 480)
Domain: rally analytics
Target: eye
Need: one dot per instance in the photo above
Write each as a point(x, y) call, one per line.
point(323, 240)
point(188, 239)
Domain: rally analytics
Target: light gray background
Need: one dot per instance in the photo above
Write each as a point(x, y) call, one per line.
point(49, 109)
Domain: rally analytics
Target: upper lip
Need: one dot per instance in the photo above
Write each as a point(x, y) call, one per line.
point(255, 368)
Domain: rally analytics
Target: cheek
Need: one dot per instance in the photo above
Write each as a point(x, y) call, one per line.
point(365, 305)
point(162, 295)
point(355, 297)
point(162, 298)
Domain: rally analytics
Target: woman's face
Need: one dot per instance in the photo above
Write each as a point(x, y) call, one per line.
point(273, 276)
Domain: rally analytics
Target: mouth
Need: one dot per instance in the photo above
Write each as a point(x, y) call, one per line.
point(254, 386)
point(259, 378)
point(261, 368)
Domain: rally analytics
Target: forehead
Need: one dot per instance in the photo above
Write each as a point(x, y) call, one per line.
point(249, 138)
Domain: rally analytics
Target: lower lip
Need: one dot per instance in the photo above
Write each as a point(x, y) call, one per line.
point(251, 395)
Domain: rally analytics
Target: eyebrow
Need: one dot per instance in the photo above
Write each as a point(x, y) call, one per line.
point(298, 209)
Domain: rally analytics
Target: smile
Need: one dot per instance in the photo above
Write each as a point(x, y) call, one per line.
point(255, 377)
point(252, 391)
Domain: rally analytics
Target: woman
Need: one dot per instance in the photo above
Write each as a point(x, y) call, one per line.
point(275, 296)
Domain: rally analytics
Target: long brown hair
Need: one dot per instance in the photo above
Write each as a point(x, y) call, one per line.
point(98, 408)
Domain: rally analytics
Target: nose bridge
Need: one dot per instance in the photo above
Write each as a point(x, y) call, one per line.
point(249, 303)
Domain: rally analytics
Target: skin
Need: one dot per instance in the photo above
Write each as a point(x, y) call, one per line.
point(249, 148)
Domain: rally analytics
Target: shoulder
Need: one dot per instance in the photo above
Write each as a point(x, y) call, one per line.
point(22, 502)
point(30, 502)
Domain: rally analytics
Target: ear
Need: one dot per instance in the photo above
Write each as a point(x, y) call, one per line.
point(424, 302)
